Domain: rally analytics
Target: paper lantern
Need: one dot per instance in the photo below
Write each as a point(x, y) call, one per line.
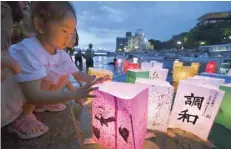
point(130, 65)
point(181, 73)
point(196, 67)
point(133, 74)
point(99, 72)
point(224, 114)
point(146, 65)
point(207, 80)
point(195, 108)
point(220, 76)
point(210, 67)
point(177, 63)
point(159, 103)
point(119, 115)
point(158, 73)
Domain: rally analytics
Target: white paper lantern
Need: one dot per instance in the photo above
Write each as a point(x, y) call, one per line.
point(195, 108)
point(159, 103)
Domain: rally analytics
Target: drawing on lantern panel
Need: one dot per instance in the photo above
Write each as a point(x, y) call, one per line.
point(159, 107)
point(124, 133)
point(154, 75)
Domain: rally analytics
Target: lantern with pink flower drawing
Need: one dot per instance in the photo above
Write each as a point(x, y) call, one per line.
point(119, 118)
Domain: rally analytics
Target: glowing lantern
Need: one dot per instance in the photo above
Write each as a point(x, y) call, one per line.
point(181, 73)
point(130, 65)
point(224, 114)
point(227, 78)
point(196, 67)
point(158, 73)
point(146, 65)
point(210, 67)
point(159, 103)
point(195, 108)
point(133, 74)
point(99, 72)
point(207, 80)
point(119, 115)
point(157, 64)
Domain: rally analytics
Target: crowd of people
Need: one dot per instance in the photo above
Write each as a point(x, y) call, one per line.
point(36, 66)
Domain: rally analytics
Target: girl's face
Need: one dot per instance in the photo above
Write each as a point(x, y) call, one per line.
point(58, 34)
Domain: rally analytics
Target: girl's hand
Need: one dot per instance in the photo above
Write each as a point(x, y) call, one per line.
point(84, 91)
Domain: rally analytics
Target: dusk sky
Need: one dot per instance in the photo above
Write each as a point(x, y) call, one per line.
point(101, 22)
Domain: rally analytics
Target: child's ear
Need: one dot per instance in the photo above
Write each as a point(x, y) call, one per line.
point(38, 25)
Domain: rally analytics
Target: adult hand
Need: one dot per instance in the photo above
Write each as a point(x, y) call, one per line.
point(8, 62)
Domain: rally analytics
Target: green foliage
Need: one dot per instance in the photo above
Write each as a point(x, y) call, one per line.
point(210, 34)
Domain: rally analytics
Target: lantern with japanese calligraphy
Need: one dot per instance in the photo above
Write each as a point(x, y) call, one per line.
point(196, 67)
point(99, 72)
point(211, 67)
point(158, 73)
point(195, 108)
point(181, 73)
point(207, 80)
point(119, 115)
point(159, 103)
point(130, 65)
point(227, 78)
point(224, 114)
point(133, 74)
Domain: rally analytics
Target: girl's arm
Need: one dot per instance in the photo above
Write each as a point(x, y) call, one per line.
point(34, 95)
point(71, 87)
point(82, 77)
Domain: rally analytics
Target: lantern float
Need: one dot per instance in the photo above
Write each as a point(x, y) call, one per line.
point(195, 108)
point(196, 67)
point(99, 72)
point(133, 74)
point(130, 65)
point(224, 114)
point(207, 80)
point(211, 67)
point(214, 75)
point(119, 115)
point(159, 103)
point(181, 73)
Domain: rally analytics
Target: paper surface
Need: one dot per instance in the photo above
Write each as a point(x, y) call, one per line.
point(159, 104)
point(195, 108)
point(115, 118)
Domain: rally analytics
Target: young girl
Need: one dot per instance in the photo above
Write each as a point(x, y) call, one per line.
point(46, 66)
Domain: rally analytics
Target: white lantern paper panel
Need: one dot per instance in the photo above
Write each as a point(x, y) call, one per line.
point(207, 80)
point(157, 65)
point(156, 73)
point(146, 65)
point(119, 115)
point(159, 103)
point(195, 108)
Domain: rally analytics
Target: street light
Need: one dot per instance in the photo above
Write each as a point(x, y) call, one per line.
point(179, 42)
point(229, 37)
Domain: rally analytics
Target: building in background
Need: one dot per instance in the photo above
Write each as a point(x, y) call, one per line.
point(128, 34)
point(130, 43)
point(215, 17)
point(121, 44)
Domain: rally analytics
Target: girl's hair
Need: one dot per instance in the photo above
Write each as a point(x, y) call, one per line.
point(50, 10)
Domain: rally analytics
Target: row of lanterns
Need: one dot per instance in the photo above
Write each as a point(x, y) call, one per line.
point(119, 113)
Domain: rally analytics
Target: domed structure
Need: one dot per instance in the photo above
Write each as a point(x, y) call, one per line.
point(139, 32)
